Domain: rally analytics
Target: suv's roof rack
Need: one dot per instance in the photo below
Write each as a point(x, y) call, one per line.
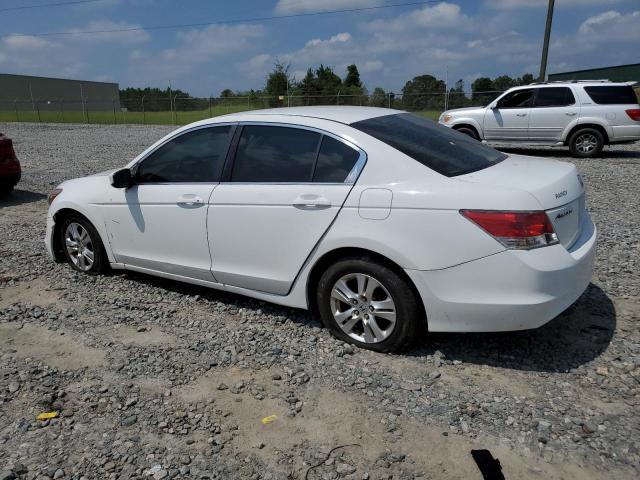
point(571, 81)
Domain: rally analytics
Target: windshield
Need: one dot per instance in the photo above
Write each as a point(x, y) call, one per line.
point(442, 149)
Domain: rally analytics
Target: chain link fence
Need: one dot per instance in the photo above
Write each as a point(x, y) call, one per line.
point(180, 110)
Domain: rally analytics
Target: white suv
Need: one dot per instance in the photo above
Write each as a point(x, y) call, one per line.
point(584, 115)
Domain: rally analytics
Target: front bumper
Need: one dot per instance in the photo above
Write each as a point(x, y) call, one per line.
point(510, 290)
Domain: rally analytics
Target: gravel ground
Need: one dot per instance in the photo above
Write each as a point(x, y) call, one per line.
point(155, 379)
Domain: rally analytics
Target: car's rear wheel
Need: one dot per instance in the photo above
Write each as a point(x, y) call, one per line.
point(468, 131)
point(586, 143)
point(82, 246)
point(368, 304)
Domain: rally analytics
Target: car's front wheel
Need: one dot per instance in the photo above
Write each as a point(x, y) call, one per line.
point(586, 143)
point(82, 245)
point(368, 304)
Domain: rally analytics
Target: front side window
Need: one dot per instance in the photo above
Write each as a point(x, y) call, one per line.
point(196, 156)
point(554, 97)
point(275, 154)
point(516, 99)
point(612, 95)
point(440, 148)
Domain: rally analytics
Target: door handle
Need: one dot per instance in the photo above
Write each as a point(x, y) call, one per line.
point(189, 199)
point(311, 202)
point(571, 114)
point(521, 114)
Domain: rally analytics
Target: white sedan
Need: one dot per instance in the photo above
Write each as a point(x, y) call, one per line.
point(379, 221)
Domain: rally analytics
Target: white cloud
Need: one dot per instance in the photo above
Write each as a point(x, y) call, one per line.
point(442, 15)
point(371, 66)
point(24, 42)
point(288, 7)
point(339, 38)
point(611, 25)
point(512, 4)
point(125, 36)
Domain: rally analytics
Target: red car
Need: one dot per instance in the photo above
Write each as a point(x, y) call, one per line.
point(10, 170)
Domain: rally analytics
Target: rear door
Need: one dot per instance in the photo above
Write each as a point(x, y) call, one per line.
point(509, 119)
point(553, 109)
point(280, 195)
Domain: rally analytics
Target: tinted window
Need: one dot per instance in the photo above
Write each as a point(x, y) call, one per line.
point(440, 148)
point(517, 99)
point(554, 97)
point(335, 161)
point(195, 156)
point(609, 95)
point(275, 154)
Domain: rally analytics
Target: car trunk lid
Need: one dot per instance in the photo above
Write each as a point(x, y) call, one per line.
point(554, 184)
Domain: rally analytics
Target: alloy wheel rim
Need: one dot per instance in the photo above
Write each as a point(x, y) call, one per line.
point(586, 143)
point(363, 308)
point(79, 246)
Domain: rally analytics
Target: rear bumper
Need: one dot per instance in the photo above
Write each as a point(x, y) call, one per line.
point(48, 239)
point(625, 133)
point(510, 290)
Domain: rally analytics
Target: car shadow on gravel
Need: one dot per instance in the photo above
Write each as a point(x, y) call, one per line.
point(20, 197)
point(609, 153)
point(574, 338)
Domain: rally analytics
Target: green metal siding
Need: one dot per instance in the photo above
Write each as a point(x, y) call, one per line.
point(620, 73)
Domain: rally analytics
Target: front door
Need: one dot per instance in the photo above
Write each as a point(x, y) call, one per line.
point(509, 119)
point(160, 223)
point(284, 190)
point(553, 109)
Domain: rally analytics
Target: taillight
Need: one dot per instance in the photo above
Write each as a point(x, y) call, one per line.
point(515, 230)
point(634, 113)
point(53, 194)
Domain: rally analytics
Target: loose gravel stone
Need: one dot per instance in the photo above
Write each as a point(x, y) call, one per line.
point(152, 377)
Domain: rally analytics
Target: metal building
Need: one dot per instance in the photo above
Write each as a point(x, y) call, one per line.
point(619, 73)
point(24, 92)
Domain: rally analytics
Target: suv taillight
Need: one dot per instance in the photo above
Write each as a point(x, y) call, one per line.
point(515, 230)
point(634, 113)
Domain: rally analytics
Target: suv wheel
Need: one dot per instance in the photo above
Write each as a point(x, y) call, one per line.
point(586, 143)
point(468, 131)
point(82, 246)
point(365, 303)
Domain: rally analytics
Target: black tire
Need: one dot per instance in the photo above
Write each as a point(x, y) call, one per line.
point(468, 131)
point(408, 311)
point(5, 190)
point(94, 244)
point(586, 143)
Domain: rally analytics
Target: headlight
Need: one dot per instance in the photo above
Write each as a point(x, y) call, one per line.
point(53, 194)
point(446, 118)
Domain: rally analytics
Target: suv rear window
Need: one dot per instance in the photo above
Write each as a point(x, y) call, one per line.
point(612, 95)
point(442, 149)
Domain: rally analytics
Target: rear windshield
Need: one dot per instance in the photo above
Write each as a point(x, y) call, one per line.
point(610, 95)
point(440, 148)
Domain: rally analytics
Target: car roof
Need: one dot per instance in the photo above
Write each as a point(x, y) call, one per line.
point(336, 113)
point(582, 83)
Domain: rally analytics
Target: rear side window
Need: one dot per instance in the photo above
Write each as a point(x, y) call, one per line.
point(516, 99)
point(195, 156)
point(554, 97)
point(440, 148)
point(612, 95)
point(275, 154)
point(335, 161)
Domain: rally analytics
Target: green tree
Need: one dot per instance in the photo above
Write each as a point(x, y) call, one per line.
point(328, 82)
point(503, 83)
point(378, 98)
point(478, 88)
point(278, 83)
point(526, 79)
point(309, 88)
point(424, 92)
point(457, 98)
point(226, 93)
point(353, 77)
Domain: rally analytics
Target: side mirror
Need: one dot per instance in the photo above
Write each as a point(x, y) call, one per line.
point(122, 178)
point(494, 106)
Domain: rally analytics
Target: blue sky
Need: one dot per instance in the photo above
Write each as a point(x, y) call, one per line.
point(390, 46)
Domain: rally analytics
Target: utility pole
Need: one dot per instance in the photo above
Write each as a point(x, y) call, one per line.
point(545, 46)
